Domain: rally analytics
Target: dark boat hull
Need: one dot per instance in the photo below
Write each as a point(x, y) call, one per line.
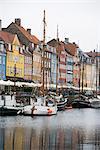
point(4, 111)
point(61, 105)
point(80, 104)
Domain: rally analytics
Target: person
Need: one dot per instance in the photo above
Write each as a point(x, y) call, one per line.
point(2, 92)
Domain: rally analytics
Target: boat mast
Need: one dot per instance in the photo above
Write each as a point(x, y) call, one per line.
point(99, 67)
point(96, 70)
point(57, 56)
point(44, 24)
point(82, 75)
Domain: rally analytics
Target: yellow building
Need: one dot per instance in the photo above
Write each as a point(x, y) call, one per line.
point(15, 59)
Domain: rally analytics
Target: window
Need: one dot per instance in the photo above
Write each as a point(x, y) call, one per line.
point(20, 50)
point(1, 47)
point(3, 61)
point(17, 47)
point(9, 47)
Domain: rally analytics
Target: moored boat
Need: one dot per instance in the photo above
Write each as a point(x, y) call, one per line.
point(40, 109)
point(95, 102)
point(9, 111)
point(8, 105)
point(61, 105)
point(81, 104)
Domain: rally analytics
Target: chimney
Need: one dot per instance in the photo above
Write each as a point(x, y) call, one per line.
point(66, 40)
point(18, 21)
point(94, 50)
point(0, 24)
point(29, 31)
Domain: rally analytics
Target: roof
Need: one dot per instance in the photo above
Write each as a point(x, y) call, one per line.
point(93, 54)
point(57, 44)
point(6, 36)
point(30, 37)
point(52, 43)
point(71, 48)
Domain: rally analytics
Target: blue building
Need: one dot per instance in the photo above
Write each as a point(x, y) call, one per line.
point(53, 64)
point(69, 70)
point(2, 60)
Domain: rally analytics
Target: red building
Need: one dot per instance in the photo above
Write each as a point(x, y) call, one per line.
point(62, 64)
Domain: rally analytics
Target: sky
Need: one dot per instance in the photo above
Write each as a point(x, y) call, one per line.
point(78, 20)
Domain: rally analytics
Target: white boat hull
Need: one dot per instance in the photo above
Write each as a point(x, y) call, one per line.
point(40, 110)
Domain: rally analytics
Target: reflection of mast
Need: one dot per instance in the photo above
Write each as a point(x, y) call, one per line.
point(44, 24)
point(57, 56)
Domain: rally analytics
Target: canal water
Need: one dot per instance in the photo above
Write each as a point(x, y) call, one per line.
point(74, 129)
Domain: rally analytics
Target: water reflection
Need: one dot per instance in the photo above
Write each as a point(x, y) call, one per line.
point(52, 133)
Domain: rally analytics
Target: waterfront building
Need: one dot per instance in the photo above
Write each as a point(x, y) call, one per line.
point(27, 64)
point(2, 58)
point(69, 64)
point(94, 76)
point(62, 65)
point(84, 64)
point(53, 64)
point(46, 67)
point(14, 56)
point(28, 42)
point(72, 63)
point(37, 65)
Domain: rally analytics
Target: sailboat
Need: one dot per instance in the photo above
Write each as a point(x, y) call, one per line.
point(81, 101)
point(61, 101)
point(95, 100)
point(44, 105)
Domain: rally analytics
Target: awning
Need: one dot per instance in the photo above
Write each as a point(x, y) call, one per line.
point(7, 83)
point(27, 84)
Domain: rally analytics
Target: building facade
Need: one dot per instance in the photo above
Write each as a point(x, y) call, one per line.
point(2, 59)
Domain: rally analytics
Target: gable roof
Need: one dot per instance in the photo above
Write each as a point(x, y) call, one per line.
point(52, 43)
point(6, 36)
point(71, 48)
point(30, 37)
point(93, 54)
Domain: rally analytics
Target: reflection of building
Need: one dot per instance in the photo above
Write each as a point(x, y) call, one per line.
point(40, 138)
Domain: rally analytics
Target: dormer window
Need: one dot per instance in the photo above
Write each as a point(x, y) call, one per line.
point(27, 48)
point(20, 50)
point(1, 47)
point(9, 47)
point(23, 47)
point(17, 47)
point(32, 45)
